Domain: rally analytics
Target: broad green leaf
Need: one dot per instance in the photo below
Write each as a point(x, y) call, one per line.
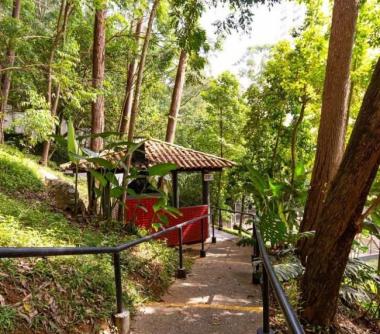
point(164, 219)
point(131, 192)
point(161, 169)
point(99, 177)
point(112, 178)
point(72, 145)
point(116, 192)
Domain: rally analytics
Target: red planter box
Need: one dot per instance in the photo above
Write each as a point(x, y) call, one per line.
point(140, 211)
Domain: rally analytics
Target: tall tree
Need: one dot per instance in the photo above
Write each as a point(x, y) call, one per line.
point(339, 220)
point(129, 87)
point(191, 39)
point(59, 36)
point(332, 130)
point(98, 65)
point(6, 77)
point(176, 97)
point(136, 98)
point(140, 72)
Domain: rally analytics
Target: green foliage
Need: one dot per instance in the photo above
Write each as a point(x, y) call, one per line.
point(161, 169)
point(72, 144)
point(288, 271)
point(360, 287)
point(7, 318)
point(72, 290)
point(278, 206)
point(37, 122)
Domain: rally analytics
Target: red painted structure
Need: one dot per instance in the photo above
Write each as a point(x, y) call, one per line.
point(140, 211)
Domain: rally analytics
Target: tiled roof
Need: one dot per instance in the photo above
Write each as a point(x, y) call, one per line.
point(157, 151)
point(153, 152)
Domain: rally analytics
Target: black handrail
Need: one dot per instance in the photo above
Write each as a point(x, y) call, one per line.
point(269, 276)
point(18, 252)
point(26, 252)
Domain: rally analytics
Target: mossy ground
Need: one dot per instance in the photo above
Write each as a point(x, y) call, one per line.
point(65, 294)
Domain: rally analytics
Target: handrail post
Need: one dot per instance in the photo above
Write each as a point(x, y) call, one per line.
point(181, 271)
point(213, 239)
point(119, 288)
point(256, 274)
point(265, 296)
point(122, 317)
point(220, 222)
point(202, 252)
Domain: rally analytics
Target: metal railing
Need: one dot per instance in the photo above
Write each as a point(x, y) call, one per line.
point(27, 252)
point(259, 252)
point(269, 279)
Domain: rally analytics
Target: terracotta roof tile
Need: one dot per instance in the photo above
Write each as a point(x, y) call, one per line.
point(156, 151)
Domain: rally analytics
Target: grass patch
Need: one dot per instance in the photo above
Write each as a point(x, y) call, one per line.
point(18, 173)
point(7, 319)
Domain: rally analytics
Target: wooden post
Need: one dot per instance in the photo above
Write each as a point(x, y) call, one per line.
point(175, 189)
point(206, 199)
point(205, 190)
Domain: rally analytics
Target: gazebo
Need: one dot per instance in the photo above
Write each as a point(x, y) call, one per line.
point(152, 152)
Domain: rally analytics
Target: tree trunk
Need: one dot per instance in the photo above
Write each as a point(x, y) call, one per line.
point(98, 62)
point(136, 101)
point(6, 77)
point(332, 130)
point(127, 105)
point(65, 11)
point(241, 220)
point(140, 73)
point(176, 98)
point(46, 145)
point(337, 223)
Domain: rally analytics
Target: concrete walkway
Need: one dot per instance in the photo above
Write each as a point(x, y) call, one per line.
point(217, 297)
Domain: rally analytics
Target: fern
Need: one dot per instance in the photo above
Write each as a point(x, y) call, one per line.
point(288, 271)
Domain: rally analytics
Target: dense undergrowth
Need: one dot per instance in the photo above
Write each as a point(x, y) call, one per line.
point(65, 294)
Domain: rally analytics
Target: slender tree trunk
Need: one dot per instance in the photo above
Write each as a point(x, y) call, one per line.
point(337, 223)
point(140, 72)
point(46, 145)
point(332, 130)
point(6, 77)
point(98, 64)
point(136, 101)
point(129, 88)
point(176, 97)
point(241, 220)
point(65, 11)
point(294, 138)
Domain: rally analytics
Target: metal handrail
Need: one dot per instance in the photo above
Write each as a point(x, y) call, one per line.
point(26, 252)
point(269, 276)
point(22, 252)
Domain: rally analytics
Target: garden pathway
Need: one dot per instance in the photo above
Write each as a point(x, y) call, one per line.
point(217, 296)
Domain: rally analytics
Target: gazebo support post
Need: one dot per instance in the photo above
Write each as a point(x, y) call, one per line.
point(206, 201)
point(175, 199)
